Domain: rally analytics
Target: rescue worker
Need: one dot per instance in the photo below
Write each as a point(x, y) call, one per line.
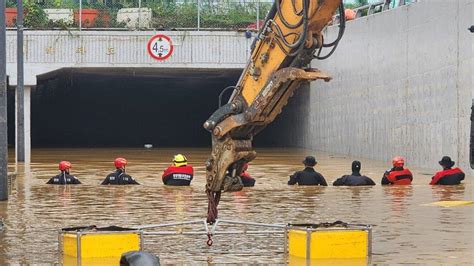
point(180, 173)
point(119, 177)
point(247, 180)
point(397, 175)
point(448, 176)
point(354, 179)
point(308, 177)
point(64, 178)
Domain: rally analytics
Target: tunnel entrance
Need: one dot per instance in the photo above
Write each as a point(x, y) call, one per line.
point(128, 108)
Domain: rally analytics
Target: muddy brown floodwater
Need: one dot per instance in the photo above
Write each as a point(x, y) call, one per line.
point(406, 230)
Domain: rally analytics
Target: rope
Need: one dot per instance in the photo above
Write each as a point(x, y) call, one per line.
point(214, 198)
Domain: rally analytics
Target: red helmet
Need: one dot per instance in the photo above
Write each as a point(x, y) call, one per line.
point(64, 165)
point(120, 162)
point(398, 161)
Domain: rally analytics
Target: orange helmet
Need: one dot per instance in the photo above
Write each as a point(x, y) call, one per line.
point(398, 161)
point(64, 165)
point(349, 14)
point(120, 162)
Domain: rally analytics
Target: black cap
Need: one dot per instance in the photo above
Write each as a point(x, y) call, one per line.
point(355, 166)
point(471, 28)
point(446, 162)
point(310, 161)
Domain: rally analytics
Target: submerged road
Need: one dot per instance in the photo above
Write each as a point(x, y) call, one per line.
point(405, 229)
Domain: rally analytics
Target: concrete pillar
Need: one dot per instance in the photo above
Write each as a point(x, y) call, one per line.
point(3, 108)
point(23, 122)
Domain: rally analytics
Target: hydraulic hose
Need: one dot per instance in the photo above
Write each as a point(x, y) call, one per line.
point(335, 43)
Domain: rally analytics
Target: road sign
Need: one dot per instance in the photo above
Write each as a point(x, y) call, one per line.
point(160, 47)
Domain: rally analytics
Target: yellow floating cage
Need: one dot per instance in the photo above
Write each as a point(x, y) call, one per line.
point(97, 246)
point(328, 241)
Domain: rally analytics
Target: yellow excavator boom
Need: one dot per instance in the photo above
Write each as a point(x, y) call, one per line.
point(279, 63)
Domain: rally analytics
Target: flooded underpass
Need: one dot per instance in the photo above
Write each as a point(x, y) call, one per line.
point(406, 229)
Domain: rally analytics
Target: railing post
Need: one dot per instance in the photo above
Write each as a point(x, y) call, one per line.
point(199, 14)
point(20, 88)
point(80, 14)
point(258, 15)
point(139, 13)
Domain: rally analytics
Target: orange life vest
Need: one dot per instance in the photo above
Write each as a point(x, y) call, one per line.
point(402, 177)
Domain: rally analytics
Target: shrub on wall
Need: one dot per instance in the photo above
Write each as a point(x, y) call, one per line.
point(10, 3)
point(35, 17)
point(171, 15)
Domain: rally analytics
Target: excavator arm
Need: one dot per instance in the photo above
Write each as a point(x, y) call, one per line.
point(281, 53)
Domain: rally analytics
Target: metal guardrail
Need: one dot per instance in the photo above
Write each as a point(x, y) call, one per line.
point(376, 7)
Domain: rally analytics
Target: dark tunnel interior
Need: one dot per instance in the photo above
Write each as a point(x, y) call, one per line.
point(111, 108)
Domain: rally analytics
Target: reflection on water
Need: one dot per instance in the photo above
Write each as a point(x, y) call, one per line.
point(405, 229)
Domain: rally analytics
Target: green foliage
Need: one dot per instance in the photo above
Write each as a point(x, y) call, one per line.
point(167, 14)
point(35, 17)
point(356, 4)
point(11, 3)
point(171, 15)
point(362, 2)
point(232, 16)
point(69, 4)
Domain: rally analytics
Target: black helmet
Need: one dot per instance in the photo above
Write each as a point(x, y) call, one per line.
point(310, 161)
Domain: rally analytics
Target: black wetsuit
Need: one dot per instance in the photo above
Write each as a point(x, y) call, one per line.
point(307, 177)
point(355, 179)
point(119, 177)
point(63, 179)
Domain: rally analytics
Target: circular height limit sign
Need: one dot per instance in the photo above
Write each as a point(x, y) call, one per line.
point(160, 47)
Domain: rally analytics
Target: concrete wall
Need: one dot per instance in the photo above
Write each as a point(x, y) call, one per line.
point(46, 51)
point(403, 85)
point(286, 130)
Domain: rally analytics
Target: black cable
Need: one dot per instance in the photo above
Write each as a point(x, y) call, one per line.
point(282, 18)
point(335, 43)
point(282, 37)
point(298, 13)
point(302, 38)
point(342, 26)
point(222, 94)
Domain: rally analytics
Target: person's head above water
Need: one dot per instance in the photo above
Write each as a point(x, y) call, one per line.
point(398, 161)
point(64, 166)
point(446, 162)
point(356, 167)
point(310, 161)
point(180, 160)
point(120, 163)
